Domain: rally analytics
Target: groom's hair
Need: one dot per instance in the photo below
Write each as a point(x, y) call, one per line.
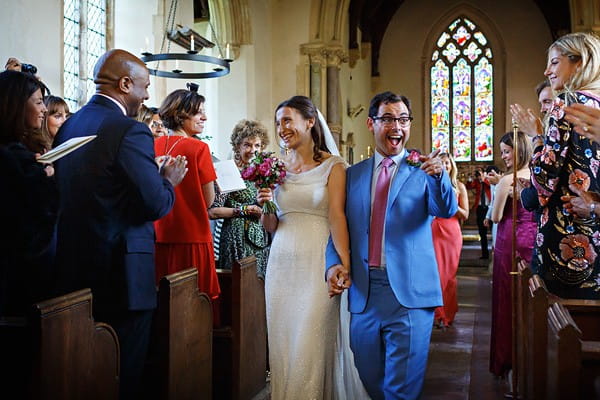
point(387, 98)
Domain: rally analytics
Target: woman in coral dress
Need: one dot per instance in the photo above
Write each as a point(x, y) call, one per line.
point(447, 241)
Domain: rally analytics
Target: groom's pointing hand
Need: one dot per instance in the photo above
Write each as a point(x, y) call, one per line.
point(432, 164)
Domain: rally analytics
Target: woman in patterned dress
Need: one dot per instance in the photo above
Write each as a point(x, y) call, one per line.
point(242, 234)
point(565, 164)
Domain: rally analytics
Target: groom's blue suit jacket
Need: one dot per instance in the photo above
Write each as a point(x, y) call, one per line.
point(414, 199)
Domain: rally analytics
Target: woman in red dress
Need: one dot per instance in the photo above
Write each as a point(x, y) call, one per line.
point(447, 241)
point(183, 237)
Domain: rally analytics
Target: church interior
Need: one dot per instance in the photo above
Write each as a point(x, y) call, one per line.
point(339, 53)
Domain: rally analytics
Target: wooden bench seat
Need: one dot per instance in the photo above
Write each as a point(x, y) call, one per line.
point(180, 359)
point(573, 364)
point(64, 353)
point(240, 343)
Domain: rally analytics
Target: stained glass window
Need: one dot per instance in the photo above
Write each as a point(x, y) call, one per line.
point(462, 93)
point(84, 25)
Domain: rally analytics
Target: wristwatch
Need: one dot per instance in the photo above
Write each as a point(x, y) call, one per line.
point(593, 210)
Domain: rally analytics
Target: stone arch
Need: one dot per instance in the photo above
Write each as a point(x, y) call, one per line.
point(231, 21)
point(328, 19)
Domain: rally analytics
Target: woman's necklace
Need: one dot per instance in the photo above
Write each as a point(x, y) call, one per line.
point(170, 149)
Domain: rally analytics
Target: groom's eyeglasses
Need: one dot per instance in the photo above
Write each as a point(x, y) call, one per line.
point(404, 121)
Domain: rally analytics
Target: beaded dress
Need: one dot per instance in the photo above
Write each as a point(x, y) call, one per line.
point(302, 320)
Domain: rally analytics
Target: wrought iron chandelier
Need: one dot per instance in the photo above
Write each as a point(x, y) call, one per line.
point(186, 38)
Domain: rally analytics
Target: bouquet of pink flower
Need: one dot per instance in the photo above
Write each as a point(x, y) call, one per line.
point(266, 171)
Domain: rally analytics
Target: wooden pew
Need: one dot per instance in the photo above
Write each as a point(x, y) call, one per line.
point(240, 360)
point(584, 313)
point(69, 356)
point(573, 364)
point(180, 359)
point(537, 325)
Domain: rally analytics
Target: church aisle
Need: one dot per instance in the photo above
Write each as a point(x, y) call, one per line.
point(459, 356)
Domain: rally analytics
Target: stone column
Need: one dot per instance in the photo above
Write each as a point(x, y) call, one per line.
point(335, 57)
point(324, 83)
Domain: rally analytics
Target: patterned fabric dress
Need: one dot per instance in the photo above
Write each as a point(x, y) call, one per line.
point(243, 236)
point(567, 246)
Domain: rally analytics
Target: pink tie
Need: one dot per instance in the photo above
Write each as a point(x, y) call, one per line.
point(378, 214)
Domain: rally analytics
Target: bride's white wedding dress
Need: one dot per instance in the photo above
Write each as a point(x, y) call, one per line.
point(308, 354)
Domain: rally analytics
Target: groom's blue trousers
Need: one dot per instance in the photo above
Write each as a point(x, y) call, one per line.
point(390, 343)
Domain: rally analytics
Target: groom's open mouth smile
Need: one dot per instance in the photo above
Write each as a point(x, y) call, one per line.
point(395, 139)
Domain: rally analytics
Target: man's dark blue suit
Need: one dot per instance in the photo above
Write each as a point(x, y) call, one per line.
point(110, 194)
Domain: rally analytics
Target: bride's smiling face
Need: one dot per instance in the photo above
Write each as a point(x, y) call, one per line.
point(292, 127)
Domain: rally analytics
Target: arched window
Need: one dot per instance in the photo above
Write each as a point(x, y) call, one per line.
point(462, 93)
point(84, 25)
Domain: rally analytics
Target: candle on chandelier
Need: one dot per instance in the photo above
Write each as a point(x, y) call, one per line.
point(228, 52)
point(192, 44)
point(177, 65)
point(147, 41)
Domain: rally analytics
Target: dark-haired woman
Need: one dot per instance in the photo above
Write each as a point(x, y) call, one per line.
point(183, 237)
point(302, 321)
point(28, 204)
point(502, 214)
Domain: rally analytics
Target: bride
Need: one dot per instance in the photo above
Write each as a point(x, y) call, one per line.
point(309, 355)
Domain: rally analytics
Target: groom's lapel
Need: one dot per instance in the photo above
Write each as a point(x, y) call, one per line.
point(365, 178)
point(404, 171)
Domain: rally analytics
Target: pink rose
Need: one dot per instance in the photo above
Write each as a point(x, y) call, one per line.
point(265, 169)
point(249, 172)
point(413, 158)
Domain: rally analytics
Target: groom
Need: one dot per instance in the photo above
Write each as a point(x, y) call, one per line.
point(395, 283)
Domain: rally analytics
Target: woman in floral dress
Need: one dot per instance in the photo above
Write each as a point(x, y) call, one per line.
point(565, 164)
point(242, 234)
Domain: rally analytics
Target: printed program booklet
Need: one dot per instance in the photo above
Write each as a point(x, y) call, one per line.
point(229, 178)
point(64, 149)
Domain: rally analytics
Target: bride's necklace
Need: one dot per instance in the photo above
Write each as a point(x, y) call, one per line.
point(303, 167)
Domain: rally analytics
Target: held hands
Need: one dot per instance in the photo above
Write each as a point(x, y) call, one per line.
point(173, 169)
point(338, 280)
point(432, 164)
point(585, 120)
point(527, 121)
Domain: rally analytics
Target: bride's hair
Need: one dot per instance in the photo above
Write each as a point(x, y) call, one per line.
point(308, 110)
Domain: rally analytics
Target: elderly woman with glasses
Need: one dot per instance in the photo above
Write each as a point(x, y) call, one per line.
point(242, 234)
point(150, 117)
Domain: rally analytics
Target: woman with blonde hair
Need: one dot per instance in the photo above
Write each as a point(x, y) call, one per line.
point(447, 241)
point(565, 166)
point(502, 214)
